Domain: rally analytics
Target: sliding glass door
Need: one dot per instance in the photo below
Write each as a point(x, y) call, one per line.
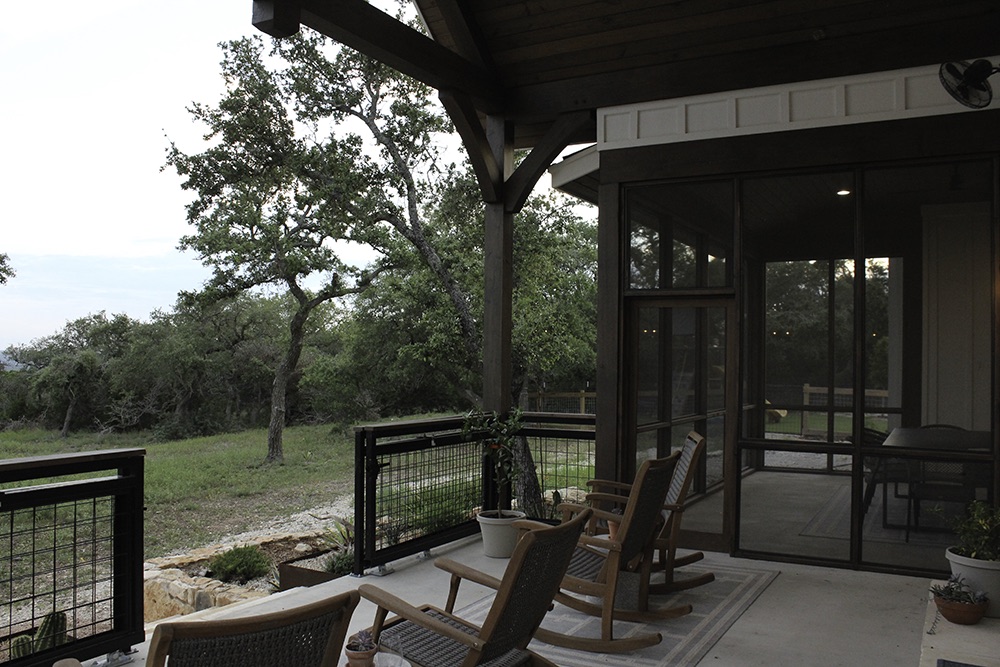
point(874, 320)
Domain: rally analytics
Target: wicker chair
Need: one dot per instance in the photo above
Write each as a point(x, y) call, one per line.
point(310, 635)
point(673, 510)
point(616, 571)
point(430, 637)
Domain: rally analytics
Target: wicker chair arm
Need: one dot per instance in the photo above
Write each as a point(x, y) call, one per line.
point(610, 484)
point(607, 498)
point(524, 525)
point(607, 516)
point(465, 572)
point(572, 508)
point(600, 541)
point(405, 610)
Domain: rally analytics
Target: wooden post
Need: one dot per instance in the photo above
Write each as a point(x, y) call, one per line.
point(498, 261)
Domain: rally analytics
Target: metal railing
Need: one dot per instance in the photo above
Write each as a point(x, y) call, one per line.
point(419, 484)
point(70, 556)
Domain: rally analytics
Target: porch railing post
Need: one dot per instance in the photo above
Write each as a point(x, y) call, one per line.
point(362, 545)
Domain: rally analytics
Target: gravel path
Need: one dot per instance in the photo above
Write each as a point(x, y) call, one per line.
point(315, 518)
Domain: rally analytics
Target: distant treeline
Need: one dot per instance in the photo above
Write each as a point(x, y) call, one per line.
point(207, 369)
point(208, 366)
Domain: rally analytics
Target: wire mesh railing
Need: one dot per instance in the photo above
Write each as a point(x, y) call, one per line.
point(70, 556)
point(419, 484)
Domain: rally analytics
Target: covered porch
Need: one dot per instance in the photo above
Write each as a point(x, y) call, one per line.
point(714, 136)
point(806, 615)
point(525, 76)
point(755, 612)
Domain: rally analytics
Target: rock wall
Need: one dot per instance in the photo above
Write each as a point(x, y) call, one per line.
point(177, 585)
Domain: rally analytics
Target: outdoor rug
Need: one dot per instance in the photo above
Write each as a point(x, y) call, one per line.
point(834, 520)
point(686, 640)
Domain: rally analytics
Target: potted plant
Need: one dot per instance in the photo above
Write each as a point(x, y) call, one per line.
point(976, 557)
point(361, 649)
point(499, 435)
point(958, 603)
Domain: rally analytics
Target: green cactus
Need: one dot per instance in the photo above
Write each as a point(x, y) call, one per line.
point(52, 631)
point(21, 646)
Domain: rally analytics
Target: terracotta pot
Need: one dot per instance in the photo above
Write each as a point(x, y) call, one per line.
point(361, 658)
point(613, 529)
point(962, 613)
point(979, 575)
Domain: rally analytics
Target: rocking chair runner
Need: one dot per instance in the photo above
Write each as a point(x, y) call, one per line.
point(430, 637)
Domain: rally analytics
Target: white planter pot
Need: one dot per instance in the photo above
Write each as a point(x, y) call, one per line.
point(499, 536)
point(980, 575)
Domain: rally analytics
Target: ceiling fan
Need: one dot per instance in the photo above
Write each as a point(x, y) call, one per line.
point(967, 82)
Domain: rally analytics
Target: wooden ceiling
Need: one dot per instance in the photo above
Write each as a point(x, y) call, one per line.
point(534, 60)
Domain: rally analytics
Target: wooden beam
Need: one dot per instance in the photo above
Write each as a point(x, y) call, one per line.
point(477, 145)
point(611, 427)
point(374, 33)
point(277, 18)
point(464, 32)
point(519, 185)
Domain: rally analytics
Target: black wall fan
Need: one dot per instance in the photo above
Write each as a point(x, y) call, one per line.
point(967, 82)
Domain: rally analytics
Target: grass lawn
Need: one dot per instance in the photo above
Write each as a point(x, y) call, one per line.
point(815, 423)
point(201, 489)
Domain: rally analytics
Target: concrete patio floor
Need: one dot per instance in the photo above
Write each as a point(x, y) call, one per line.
point(807, 616)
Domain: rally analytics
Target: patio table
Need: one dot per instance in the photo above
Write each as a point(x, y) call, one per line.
point(950, 439)
point(943, 481)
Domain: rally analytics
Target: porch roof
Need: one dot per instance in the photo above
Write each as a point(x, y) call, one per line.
point(533, 61)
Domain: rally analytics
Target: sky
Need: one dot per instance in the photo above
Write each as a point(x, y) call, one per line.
point(90, 96)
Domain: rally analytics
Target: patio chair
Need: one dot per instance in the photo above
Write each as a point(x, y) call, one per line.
point(616, 571)
point(884, 472)
point(430, 637)
point(307, 635)
point(665, 544)
point(673, 510)
point(942, 481)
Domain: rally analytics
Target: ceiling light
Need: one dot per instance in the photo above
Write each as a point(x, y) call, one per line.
point(843, 193)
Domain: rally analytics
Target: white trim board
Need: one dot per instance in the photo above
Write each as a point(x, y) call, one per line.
point(881, 96)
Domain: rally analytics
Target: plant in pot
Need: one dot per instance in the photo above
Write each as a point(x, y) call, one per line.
point(498, 435)
point(361, 649)
point(958, 603)
point(976, 556)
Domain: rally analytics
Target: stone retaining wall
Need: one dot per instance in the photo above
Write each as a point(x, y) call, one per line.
point(176, 585)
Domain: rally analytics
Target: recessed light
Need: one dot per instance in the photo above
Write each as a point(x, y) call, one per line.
point(843, 193)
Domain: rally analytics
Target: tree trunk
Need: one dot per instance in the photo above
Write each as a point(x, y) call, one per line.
point(529, 491)
point(276, 426)
point(67, 420)
point(275, 452)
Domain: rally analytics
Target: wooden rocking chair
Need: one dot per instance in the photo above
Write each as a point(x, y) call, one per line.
point(665, 544)
point(673, 509)
point(616, 570)
point(429, 637)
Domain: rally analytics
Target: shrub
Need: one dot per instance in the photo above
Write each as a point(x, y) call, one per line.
point(240, 564)
point(340, 562)
point(979, 532)
point(340, 535)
